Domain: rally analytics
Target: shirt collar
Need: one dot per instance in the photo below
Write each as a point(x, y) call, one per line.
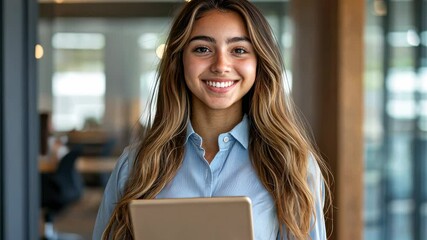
point(190, 131)
point(240, 132)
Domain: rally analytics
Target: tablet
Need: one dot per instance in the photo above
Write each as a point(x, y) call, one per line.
point(225, 218)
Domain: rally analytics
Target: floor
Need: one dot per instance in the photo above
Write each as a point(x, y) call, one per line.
point(80, 217)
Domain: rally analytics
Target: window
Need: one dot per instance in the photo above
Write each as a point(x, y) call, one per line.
point(395, 120)
point(78, 82)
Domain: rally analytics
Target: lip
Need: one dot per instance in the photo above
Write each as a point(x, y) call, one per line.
point(220, 81)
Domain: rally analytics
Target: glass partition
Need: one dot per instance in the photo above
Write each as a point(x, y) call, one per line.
point(395, 133)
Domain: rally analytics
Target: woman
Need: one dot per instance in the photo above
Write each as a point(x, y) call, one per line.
point(223, 127)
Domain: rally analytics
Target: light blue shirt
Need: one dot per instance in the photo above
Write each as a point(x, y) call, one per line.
point(229, 174)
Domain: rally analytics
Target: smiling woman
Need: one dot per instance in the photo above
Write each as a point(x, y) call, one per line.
point(223, 126)
point(219, 65)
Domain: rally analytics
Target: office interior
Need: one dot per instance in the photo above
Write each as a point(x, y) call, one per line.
point(78, 74)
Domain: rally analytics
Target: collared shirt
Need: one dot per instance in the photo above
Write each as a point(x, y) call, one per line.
point(229, 174)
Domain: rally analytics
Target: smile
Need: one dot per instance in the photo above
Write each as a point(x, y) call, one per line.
point(219, 84)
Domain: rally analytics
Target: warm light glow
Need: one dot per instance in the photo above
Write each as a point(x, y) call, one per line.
point(380, 8)
point(39, 51)
point(160, 50)
point(59, 1)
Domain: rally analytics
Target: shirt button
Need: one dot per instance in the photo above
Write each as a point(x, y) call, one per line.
point(226, 139)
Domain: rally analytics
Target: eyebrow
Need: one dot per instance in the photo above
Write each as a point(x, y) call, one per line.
point(212, 40)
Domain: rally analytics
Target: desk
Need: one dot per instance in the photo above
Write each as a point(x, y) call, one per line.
point(84, 164)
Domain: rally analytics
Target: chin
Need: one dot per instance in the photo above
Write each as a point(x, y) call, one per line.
point(220, 106)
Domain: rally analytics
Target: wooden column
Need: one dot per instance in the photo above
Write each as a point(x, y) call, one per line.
point(327, 87)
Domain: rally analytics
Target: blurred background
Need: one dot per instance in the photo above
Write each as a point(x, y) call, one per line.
point(357, 70)
point(99, 64)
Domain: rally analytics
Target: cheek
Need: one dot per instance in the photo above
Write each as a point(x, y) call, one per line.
point(191, 66)
point(188, 68)
point(248, 69)
point(185, 63)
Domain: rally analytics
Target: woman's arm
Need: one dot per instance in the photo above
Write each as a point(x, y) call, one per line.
point(317, 186)
point(112, 194)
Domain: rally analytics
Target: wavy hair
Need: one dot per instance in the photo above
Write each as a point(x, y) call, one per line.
point(279, 148)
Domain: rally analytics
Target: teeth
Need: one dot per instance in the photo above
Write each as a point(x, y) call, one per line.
point(219, 84)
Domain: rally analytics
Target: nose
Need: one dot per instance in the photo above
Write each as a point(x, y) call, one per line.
point(221, 63)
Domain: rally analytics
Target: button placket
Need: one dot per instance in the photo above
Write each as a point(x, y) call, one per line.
point(209, 181)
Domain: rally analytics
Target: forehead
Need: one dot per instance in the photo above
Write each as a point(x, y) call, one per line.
point(216, 21)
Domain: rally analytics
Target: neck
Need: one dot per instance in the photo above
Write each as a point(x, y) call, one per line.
point(210, 123)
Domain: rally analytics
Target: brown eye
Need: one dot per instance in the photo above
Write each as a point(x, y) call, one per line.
point(201, 50)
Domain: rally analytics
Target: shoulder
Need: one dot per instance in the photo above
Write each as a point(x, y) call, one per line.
point(128, 156)
point(313, 169)
point(114, 190)
point(315, 179)
point(123, 167)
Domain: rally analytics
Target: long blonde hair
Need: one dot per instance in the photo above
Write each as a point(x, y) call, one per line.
point(279, 147)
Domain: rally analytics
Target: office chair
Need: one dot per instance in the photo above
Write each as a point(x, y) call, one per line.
point(58, 190)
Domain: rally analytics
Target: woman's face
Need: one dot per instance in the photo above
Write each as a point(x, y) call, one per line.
point(219, 61)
